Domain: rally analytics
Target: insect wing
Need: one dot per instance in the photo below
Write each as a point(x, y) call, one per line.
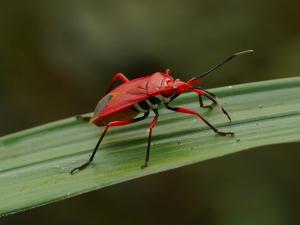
point(102, 104)
point(122, 97)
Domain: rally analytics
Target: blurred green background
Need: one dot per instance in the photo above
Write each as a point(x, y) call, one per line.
point(57, 59)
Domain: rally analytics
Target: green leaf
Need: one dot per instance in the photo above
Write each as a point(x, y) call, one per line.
point(35, 163)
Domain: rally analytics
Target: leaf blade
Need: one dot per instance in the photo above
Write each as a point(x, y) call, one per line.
point(35, 164)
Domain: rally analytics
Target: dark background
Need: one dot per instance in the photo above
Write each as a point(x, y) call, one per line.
point(58, 57)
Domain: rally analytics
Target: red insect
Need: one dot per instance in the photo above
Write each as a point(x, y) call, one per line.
point(121, 105)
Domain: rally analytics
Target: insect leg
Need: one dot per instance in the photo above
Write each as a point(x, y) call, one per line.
point(202, 92)
point(83, 118)
point(152, 125)
point(210, 93)
point(118, 76)
point(189, 111)
point(174, 97)
point(211, 97)
point(111, 124)
point(202, 104)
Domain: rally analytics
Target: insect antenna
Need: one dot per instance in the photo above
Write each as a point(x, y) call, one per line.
point(221, 63)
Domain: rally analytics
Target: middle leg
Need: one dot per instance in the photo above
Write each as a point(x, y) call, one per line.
point(152, 125)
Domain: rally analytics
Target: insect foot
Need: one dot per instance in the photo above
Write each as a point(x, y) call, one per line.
point(225, 133)
point(83, 118)
point(144, 165)
point(210, 106)
point(77, 169)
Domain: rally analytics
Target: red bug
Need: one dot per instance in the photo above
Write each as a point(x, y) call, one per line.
point(121, 105)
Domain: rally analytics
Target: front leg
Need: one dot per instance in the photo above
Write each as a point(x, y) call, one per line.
point(191, 112)
point(210, 106)
point(211, 97)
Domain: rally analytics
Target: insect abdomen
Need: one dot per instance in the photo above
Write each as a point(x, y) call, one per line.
point(125, 114)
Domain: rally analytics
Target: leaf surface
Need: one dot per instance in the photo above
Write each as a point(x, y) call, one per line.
point(35, 163)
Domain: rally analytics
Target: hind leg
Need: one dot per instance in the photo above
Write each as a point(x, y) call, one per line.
point(83, 118)
point(111, 124)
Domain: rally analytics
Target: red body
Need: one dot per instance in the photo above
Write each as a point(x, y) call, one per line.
point(121, 105)
point(117, 104)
